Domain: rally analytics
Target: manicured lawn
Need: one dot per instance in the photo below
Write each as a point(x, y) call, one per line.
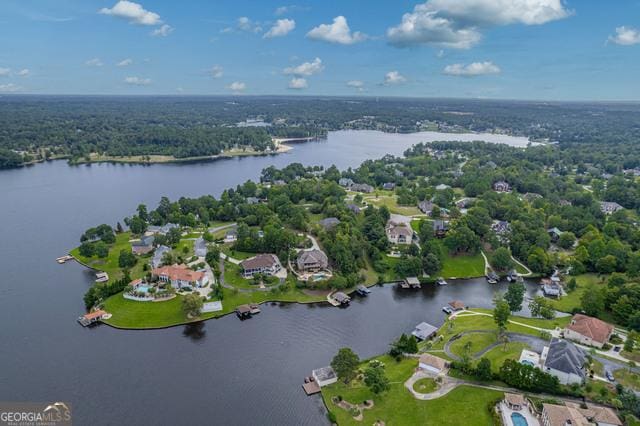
point(391, 202)
point(572, 300)
point(140, 315)
point(398, 407)
point(535, 322)
point(425, 385)
point(415, 225)
point(463, 266)
point(478, 342)
point(236, 254)
point(499, 354)
point(628, 378)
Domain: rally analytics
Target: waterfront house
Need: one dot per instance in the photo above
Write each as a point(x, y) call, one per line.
point(265, 263)
point(608, 207)
point(588, 331)
point(426, 207)
point(143, 246)
point(362, 187)
point(389, 186)
point(424, 331)
point(501, 186)
point(180, 276)
point(252, 200)
point(399, 233)
point(231, 236)
point(329, 223)
point(158, 255)
point(200, 246)
point(555, 234)
point(324, 376)
point(457, 305)
point(432, 363)
point(341, 298)
point(345, 182)
point(312, 260)
point(578, 415)
point(93, 317)
point(564, 360)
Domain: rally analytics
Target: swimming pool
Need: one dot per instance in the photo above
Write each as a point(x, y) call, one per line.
point(518, 419)
point(142, 288)
point(527, 362)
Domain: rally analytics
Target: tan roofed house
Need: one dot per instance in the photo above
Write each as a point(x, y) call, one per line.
point(265, 263)
point(573, 414)
point(457, 305)
point(180, 276)
point(312, 260)
point(588, 330)
point(432, 363)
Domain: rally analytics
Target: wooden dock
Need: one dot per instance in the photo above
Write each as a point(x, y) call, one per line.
point(64, 259)
point(311, 388)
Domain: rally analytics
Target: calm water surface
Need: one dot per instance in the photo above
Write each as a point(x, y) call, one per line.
point(222, 371)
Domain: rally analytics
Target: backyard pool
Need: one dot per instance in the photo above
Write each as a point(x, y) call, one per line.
point(518, 419)
point(143, 288)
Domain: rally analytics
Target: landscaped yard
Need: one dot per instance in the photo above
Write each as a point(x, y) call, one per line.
point(425, 385)
point(475, 342)
point(628, 378)
point(500, 354)
point(397, 406)
point(391, 202)
point(571, 301)
point(463, 266)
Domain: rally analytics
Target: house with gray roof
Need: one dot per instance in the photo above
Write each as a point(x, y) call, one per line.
point(329, 223)
point(345, 182)
point(424, 331)
point(143, 246)
point(426, 207)
point(200, 247)
point(564, 360)
point(362, 187)
point(312, 260)
point(609, 207)
point(157, 256)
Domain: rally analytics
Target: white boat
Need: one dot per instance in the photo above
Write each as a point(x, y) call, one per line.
point(441, 281)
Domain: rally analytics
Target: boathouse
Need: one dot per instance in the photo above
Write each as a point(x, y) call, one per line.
point(424, 331)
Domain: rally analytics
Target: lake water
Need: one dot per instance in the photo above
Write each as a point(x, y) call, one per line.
point(219, 372)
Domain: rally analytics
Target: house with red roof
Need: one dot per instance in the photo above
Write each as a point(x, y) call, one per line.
point(588, 331)
point(180, 276)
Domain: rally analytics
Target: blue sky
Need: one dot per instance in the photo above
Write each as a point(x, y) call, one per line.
point(509, 49)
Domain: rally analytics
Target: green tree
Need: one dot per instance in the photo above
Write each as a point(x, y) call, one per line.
point(375, 377)
point(501, 259)
point(515, 296)
point(126, 259)
point(101, 249)
point(192, 305)
point(345, 364)
point(592, 301)
point(630, 342)
point(541, 307)
point(567, 240)
point(483, 369)
point(87, 249)
point(501, 313)
point(431, 264)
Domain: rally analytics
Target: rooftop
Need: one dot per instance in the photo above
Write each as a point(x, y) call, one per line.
point(593, 328)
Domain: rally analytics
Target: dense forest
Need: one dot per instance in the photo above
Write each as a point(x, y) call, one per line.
point(41, 127)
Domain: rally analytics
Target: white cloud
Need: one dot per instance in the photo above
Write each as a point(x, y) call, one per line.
point(237, 86)
point(473, 69)
point(216, 71)
point(306, 68)
point(163, 31)
point(338, 32)
point(5, 72)
point(281, 10)
point(298, 83)
point(282, 27)
point(94, 62)
point(24, 72)
point(137, 81)
point(132, 12)
point(394, 77)
point(246, 24)
point(355, 83)
point(625, 36)
point(9, 88)
point(125, 62)
point(458, 23)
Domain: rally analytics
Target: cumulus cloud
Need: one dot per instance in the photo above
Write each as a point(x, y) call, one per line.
point(355, 83)
point(458, 23)
point(283, 10)
point(125, 62)
point(625, 36)
point(394, 77)
point(338, 32)
point(473, 69)
point(4, 72)
point(9, 88)
point(162, 31)
point(246, 24)
point(94, 62)
point(237, 86)
point(137, 81)
point(306, 68)
point(298, 83)
point(282, 27)
point(216, 71)
point(24, 72)
point(132, 12)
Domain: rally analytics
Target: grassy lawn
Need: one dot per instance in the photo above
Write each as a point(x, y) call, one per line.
point(463, 266)
point(391, 202)
point(535, 322)
point(398, 407)
point(572, 300)
point(110, 263)
point(628, 378)
point(425, 385)
point(477, 341)
point(500, 354)
point(140, 315)
point(236, 254)
point(415, 225)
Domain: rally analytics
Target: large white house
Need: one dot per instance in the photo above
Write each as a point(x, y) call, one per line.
point(564, 360)
point(181, 276)
point(399, 233)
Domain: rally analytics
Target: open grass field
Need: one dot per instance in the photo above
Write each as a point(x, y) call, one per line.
point(391, 202)
point(464, 405)
point(473, 343)
point(572, 300)
point(462, 266)
point(500, 354)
